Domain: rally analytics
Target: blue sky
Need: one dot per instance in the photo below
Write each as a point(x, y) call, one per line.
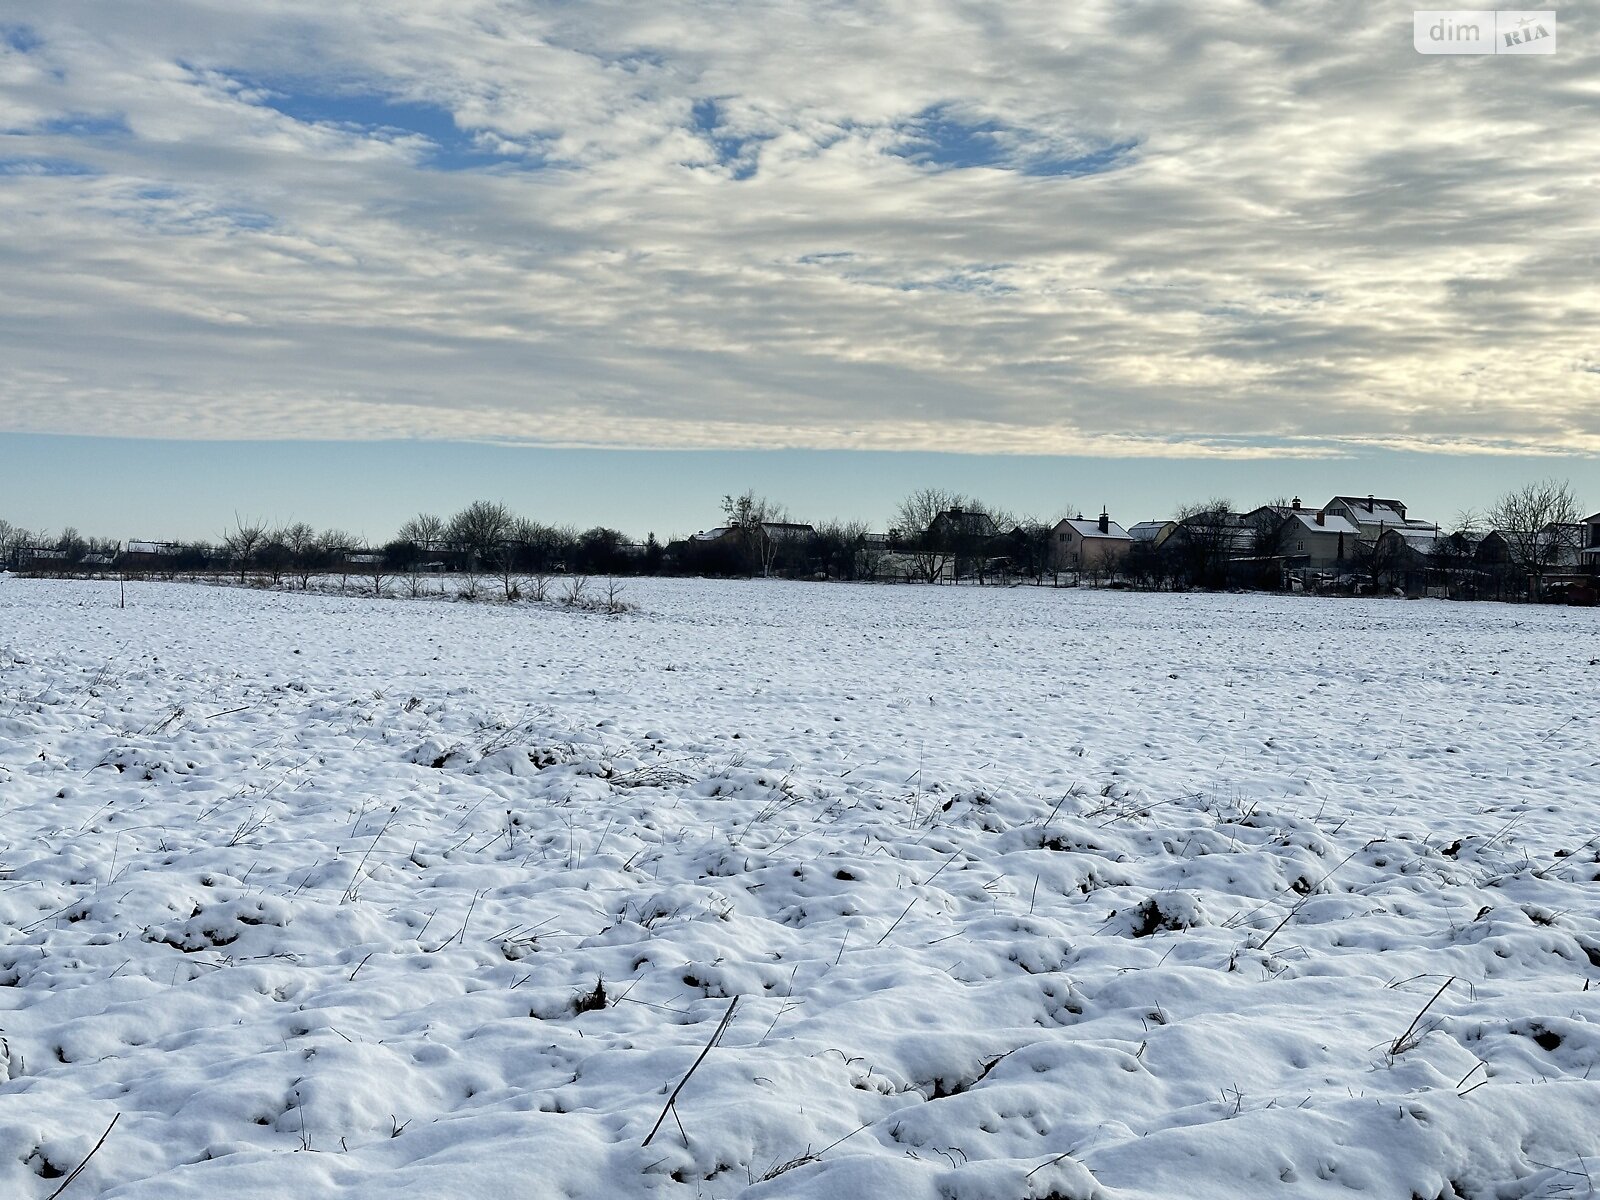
point(1181, 244)
point(943, 139)
point(171, 489)
point(442, 144)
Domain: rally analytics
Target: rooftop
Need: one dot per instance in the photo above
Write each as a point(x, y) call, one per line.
point(1331, 523)
point(1087, 528)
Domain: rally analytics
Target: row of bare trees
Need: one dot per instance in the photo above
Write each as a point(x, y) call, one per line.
point(15, 540)
point(935, 534)
point(483, 541)
point(296, 552)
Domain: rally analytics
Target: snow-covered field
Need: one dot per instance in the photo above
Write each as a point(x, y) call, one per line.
point(1012, 894)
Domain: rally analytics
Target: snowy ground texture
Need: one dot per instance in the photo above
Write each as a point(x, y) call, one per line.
point(1021, 894)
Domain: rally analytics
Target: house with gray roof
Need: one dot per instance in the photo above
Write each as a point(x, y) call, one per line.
point(1320, 540)
point(1373, 515)
point(1077, 544)
point(1151, 533)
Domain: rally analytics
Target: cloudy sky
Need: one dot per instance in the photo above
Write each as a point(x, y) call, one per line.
point(1229, 231)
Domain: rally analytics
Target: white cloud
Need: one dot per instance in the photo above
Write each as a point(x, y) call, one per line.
point(1312, 236)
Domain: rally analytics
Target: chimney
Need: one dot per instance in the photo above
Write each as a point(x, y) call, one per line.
point(1322, 517)
point(1297, 504)
point(1105, 521)
point(1369, 502)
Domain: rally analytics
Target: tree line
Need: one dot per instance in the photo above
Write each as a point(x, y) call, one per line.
point(934, 535)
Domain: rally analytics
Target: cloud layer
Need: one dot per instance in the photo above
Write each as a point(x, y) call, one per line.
point(1234, 229)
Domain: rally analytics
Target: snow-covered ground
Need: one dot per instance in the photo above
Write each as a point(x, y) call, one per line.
point(1019, 894)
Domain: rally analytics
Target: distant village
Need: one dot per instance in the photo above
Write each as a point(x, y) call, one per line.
point(1530, 546)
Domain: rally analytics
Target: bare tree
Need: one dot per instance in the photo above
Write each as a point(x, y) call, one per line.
point(916, 535)
point(545, 550)
point(577, 592)
point(1453, 557)
point(425, 531)
point(414, 547)
point(72, 544)
point(274, 556)
point(862, 559)
point(1267, 529)
point(836, 548)
point(516, 554)
point(969, 528)
point(479, 532)
point(336, 547)
point(13, 540)
point(1539, 524)
point(613, 601)
point(870, 555)
point(243, 542)
point(482, 530)
point(1450, 559)
point(1382, 560)
point(1207, 534)
point(379, 567)
point(195, 557)
point(750, 515)
point(1150, 565)
point(404, 557)
point(1267, 533)
point(304, 550)
point(562, 547)
point(1032, 547)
